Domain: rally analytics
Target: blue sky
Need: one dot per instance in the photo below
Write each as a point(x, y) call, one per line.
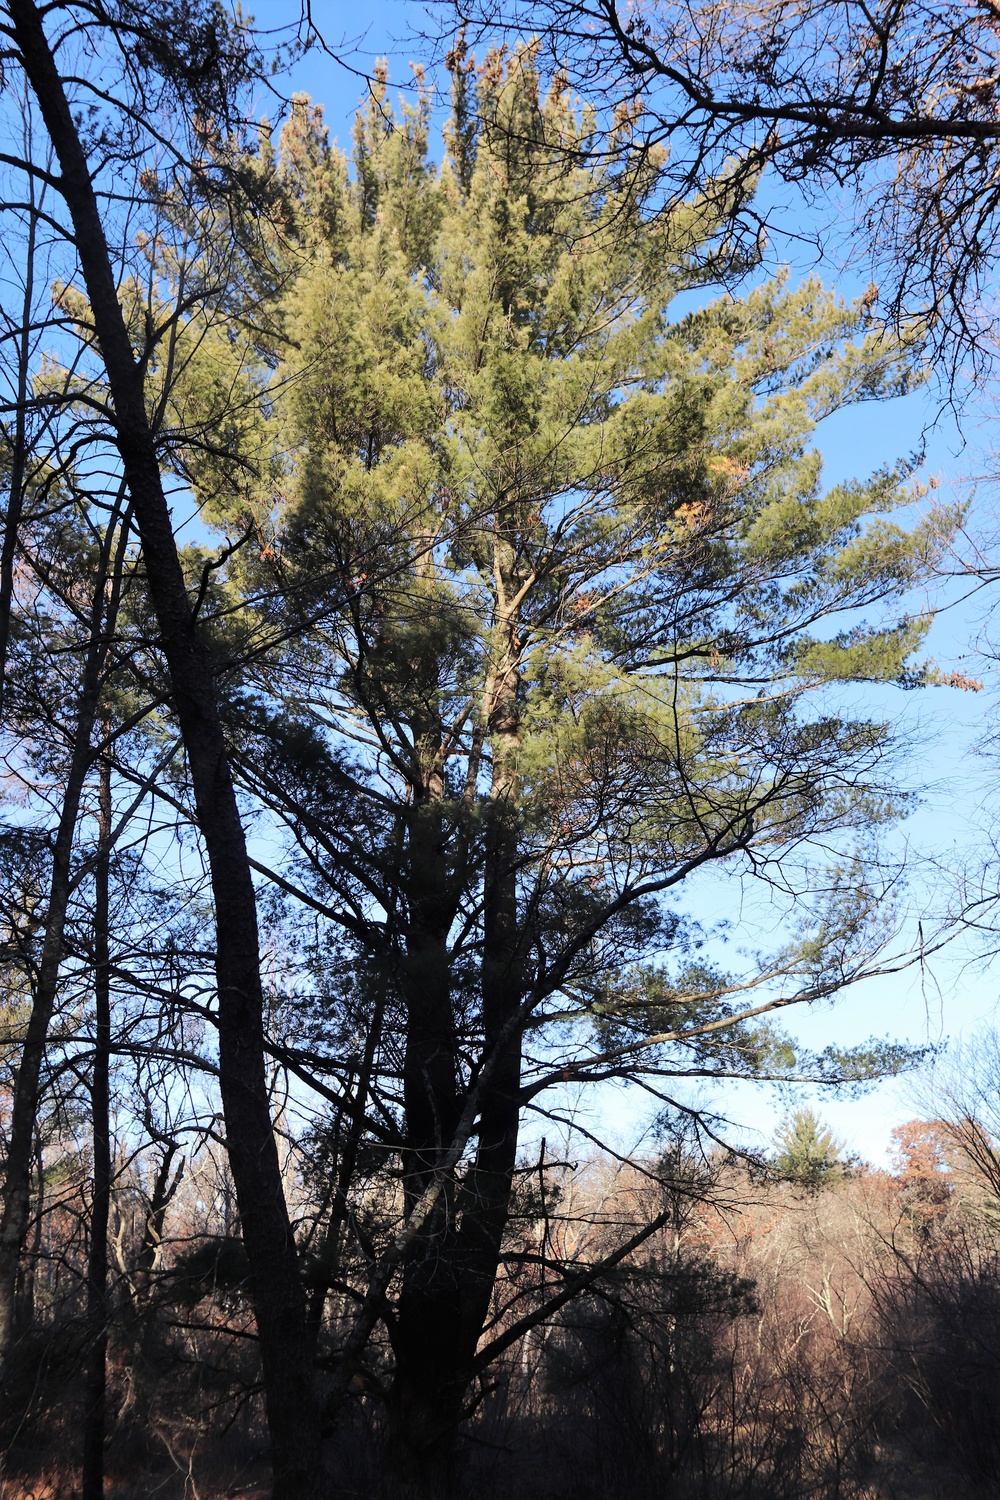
point(952, 994)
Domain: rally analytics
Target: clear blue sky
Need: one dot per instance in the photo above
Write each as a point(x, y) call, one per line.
point(953, 821)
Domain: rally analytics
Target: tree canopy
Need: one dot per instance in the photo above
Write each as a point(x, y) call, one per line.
point(807, 1151)
point(886, 112)
point(516, 605)
point(550, 614)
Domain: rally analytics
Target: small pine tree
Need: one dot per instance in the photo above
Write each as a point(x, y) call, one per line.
point(807, 1152)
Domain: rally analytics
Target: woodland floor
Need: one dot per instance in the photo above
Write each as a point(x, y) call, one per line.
point(897, 1479)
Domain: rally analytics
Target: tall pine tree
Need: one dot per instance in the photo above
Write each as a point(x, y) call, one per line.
point(552, 615)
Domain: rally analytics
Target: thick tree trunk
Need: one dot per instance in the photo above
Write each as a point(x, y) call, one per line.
point(427, 1330)
point(418, 1459)
point(449, 1280)
point(278, 1295)
point(27, 1282)
point(486, 1200)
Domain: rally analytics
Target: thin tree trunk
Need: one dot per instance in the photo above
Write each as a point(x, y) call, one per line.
point(19, 449)
point(24, 1305)
point(97, 1265)
point(278, 1294)
point(27, 1082)
point(328, 1260)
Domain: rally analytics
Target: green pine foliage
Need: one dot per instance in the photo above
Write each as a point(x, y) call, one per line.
point(543, 544)
point(806, 1151)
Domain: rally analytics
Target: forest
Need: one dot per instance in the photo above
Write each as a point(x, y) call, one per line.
point(446, 712)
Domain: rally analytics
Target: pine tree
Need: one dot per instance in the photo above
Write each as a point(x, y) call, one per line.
point(807, 1151)
point(548, 619)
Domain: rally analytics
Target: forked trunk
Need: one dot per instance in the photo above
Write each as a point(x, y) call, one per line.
point(448, 1282)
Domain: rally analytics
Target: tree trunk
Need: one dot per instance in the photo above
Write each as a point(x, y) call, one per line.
point(418, 1458)
point(448, 1282)
point(19, 447)
point(27, 1081)
point(278, 1295)
point(24, 1302)
point(95, 1386)
point(486, 1199)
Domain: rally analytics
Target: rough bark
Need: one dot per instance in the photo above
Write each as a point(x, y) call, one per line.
point(278, 1295)
point(419, 1459)
point(486, 1199)
point(449, 1280)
